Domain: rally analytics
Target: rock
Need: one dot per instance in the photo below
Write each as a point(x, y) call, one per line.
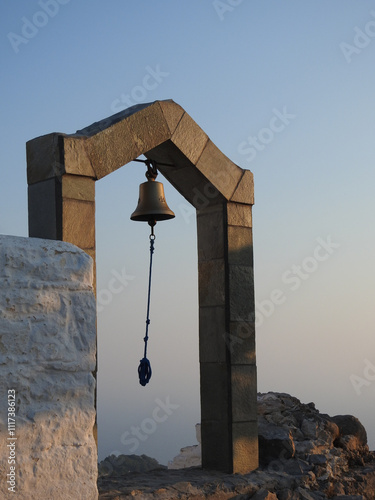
point(309, 428)
point(318, 459)
point(349, 497)
point(123, 464)
point(274, 442)
point(351, 426)
point(305, 494)
point(264, 495)
point(305, 455)
point(190, 456)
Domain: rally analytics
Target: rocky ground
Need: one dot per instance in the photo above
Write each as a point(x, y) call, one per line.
point(303, 454)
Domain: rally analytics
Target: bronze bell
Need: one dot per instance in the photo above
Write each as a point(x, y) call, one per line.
point(152, 206)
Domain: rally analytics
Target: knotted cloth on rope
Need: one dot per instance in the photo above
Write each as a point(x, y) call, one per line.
point(144, 369)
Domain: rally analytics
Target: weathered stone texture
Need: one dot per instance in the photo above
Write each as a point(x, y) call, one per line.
point(224, 174)
point(211, 283)
point(78, 188)
point(43, 158)
point(244, 385)
point(190, 138)
point(245, 189)
point(245, 446)
point(44, 200)
point(331, 469)
point(239, 215)
point(47, 356)
point(241, 342)
point(213, 342)
point(172, 113)
point(241, 293)
point(78, 225)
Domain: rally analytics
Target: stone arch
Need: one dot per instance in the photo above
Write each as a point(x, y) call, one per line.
point(62, 170)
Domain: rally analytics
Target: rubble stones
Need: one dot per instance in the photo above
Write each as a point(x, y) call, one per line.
point(305, 455)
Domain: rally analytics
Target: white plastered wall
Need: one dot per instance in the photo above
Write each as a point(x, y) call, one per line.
point(47, 360)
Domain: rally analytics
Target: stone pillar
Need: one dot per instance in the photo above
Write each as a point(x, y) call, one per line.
point(63, 208)
point(47, 356)
point(227, 338)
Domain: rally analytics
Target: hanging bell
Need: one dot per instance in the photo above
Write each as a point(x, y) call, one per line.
point(152, 206)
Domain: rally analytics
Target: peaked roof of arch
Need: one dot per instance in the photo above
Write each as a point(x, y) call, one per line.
point(162, 131)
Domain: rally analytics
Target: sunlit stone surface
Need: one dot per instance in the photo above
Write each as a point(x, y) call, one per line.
point(47, 356)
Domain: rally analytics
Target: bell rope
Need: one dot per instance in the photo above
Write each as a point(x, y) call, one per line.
point(144, 369)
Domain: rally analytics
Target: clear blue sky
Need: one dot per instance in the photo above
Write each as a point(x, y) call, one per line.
point(284, 89)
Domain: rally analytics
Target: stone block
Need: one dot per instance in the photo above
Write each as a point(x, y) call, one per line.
point(241, 342)
point(172, 113)
point(215, 381)
point(43, 158)
point(240, 246)
point(190, 138)
point(44, 200)
point(275, 442)
point(213, 338)
point(210, 233)
point(241, 292)
point(239, 215)
point(193, 186)
point(245, 447)
point(149, 127)
point(216, 447)
point(244, 392)
point(111, 148)
point(79, 223)
point(219, 170)
point(244, 192)
point(78, 188)
point(76, 159)
point(119, 139)
point(211, 283)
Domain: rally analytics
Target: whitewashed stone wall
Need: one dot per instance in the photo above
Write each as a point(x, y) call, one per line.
point(47, 357)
